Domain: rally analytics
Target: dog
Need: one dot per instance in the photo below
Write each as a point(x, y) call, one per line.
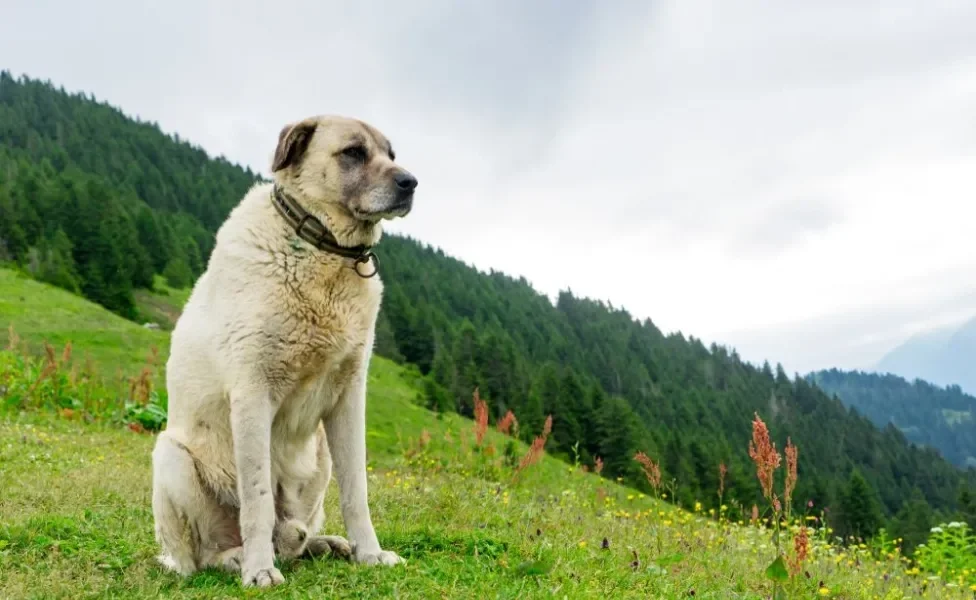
point(268, 363)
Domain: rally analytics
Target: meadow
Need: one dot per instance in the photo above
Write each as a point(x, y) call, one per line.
point(476, 513)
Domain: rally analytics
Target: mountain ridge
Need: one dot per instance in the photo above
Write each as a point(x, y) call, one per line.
point(941, 417)
point(946, 356)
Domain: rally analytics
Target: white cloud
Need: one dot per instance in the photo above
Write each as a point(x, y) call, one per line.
point(794, 179)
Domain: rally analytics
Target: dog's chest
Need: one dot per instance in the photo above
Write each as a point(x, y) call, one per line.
point(329, 332)
point(315, 396)
point(326, 326)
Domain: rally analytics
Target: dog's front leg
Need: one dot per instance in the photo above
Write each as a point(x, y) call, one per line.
point(251, 413)
point(346, 434)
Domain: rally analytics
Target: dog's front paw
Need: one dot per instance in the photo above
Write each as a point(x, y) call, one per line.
point(263, 578)
point(380, 557)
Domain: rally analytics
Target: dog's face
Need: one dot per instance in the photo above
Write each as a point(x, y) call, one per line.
point(337, 160)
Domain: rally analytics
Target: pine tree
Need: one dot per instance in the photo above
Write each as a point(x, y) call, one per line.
point(152, 238)
point(416, 340)
point(385, 343)
point(55, 264)
point(13, 239)
point(618, 439)
point(860, 513)
point(967, 505)
point(466, 377)
point(177, 273)
point(913, 521)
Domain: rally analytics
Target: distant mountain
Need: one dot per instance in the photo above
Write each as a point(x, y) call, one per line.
point(943, 418)
point(943, 357)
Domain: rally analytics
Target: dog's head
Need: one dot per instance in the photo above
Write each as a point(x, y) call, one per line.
point(340, 161)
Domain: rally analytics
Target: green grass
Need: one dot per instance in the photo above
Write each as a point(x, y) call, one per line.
point(39, 313)
point(956, 417)
point(75, 517)
point(162, 305)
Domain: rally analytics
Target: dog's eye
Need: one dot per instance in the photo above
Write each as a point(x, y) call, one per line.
point(355, 152)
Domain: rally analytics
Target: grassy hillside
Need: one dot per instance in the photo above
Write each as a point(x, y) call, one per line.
point(39, 312)
point(161, 305)
point(75, 518)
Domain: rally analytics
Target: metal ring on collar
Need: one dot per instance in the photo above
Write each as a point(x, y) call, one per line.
point(365, 258)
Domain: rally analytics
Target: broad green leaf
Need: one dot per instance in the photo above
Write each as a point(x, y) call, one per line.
point(777, 570)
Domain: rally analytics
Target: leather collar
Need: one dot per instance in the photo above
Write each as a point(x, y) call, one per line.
point(313, 231)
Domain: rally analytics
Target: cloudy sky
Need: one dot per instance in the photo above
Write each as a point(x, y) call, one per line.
point(794, 179)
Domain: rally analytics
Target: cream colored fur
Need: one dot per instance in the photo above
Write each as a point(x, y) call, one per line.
point(267, 369)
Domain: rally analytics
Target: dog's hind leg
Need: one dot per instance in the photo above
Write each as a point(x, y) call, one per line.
point(300, 512)
point(311, 500)
point(311, 494)
point(193, 529)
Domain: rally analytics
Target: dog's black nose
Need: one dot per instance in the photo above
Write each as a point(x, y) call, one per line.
point(405, 181)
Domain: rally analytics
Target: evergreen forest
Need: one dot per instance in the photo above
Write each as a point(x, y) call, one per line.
point(943, 418)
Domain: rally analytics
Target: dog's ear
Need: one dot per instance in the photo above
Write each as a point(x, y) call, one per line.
point(292, 143)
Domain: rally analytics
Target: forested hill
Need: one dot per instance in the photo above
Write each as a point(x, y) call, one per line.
point(96, 202)
point(941, 417)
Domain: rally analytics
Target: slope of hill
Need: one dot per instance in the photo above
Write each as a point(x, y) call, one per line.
point(945, 357)
point(668, 394)
point(941, 417)
point(125, 197)
point(75, 518)
point(37, 312)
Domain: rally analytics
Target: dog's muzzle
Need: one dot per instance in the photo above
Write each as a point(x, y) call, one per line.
point(405, 184)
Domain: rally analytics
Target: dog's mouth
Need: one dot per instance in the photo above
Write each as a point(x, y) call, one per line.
point(401, 208)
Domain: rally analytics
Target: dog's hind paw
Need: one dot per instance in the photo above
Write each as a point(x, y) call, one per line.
point(171, 564)
point(290, 538)
point(230, 560)
point(320, 545)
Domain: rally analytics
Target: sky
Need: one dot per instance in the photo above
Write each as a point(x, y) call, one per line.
point(792, 179)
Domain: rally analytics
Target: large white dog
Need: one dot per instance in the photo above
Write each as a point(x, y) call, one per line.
point(268, 363)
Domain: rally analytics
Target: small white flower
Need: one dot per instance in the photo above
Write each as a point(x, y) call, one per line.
point(936, 530)
point(955, 524)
